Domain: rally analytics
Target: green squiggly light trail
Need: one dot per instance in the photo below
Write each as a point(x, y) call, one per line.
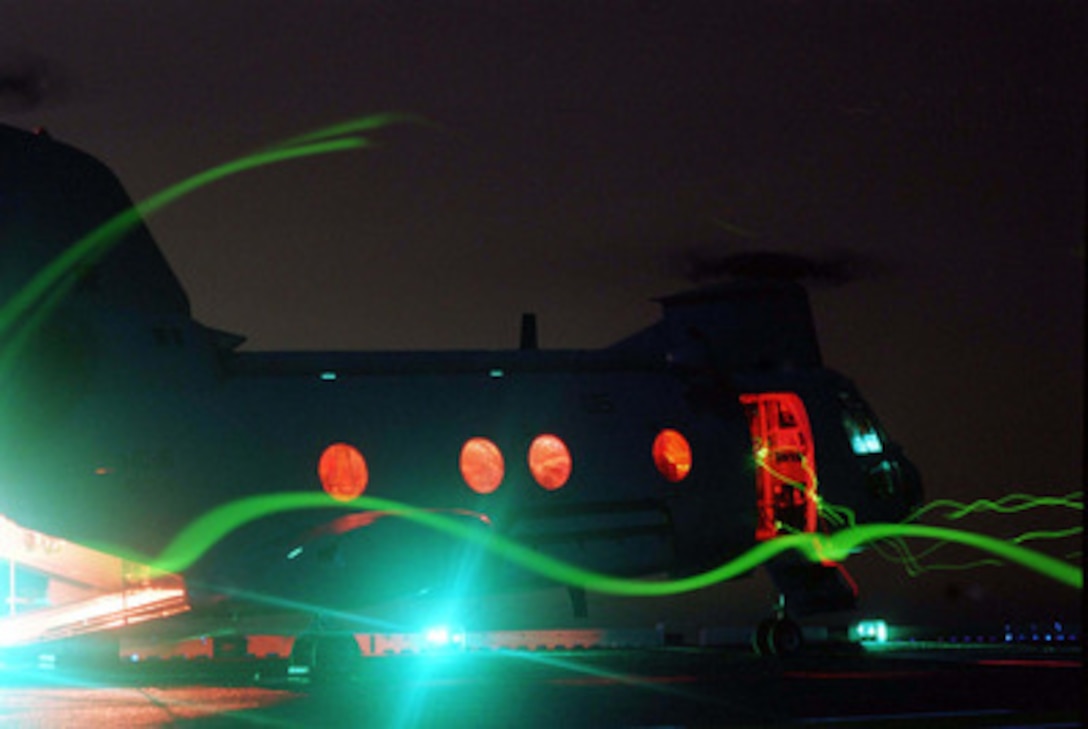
point(894, 548)
point(203, 533)
point(1008, 504)
point(49, 285)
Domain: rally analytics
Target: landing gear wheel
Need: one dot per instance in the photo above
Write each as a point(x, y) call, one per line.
point(786, 638)
point(326, 656)
point(777, 637)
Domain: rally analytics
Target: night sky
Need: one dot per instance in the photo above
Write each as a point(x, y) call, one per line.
point(584, 154)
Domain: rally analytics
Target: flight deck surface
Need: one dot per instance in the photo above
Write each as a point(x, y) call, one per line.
point(902, 685)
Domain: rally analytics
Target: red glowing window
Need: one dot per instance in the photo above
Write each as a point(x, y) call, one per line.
point(342, 471)
point(550, 461)
point(482, 466)
point(672, 455)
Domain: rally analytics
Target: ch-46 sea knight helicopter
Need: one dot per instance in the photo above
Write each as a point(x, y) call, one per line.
point(123, 419)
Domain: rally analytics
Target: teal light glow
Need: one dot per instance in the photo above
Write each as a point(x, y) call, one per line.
point(442, 636)
point(438, 635)
point(866, 443)
point(872, 631)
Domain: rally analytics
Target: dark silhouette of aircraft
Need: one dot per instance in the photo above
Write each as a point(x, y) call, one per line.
point(124, 419)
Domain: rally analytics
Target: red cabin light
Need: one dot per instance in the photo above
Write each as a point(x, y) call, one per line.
point(550, 461)
point(672, 455)
point(482, 465)
point(343, 473)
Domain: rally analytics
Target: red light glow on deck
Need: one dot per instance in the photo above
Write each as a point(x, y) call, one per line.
point(88, 590)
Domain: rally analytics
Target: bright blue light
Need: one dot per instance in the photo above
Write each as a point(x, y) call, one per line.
point(328, 376)
point(496, 373)
point(294, 553)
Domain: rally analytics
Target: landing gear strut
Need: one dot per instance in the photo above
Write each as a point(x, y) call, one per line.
point(323, 652)
point(778, 635)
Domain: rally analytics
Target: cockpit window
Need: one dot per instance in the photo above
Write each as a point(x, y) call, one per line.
point(860, 427)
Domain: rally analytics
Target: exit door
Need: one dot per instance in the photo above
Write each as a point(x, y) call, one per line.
point(785, 463)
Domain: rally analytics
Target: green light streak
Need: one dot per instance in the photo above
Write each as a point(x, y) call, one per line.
point(837, 516)
point(760, 455)
point(206, 531)
point(898, 551)
point(1010, 504)
point(36, 317)
point(351, 126)
point(894, 548)
point(1048, 534)
point(50, 284)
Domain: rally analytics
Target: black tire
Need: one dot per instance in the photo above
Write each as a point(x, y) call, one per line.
point(786, 638)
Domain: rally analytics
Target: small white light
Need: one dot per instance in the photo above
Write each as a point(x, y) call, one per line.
point(439, 635)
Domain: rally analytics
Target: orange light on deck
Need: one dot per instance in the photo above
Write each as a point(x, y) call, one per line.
point(550, 461)
point(343, 473)
point(672, 455)
point(482, 465)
